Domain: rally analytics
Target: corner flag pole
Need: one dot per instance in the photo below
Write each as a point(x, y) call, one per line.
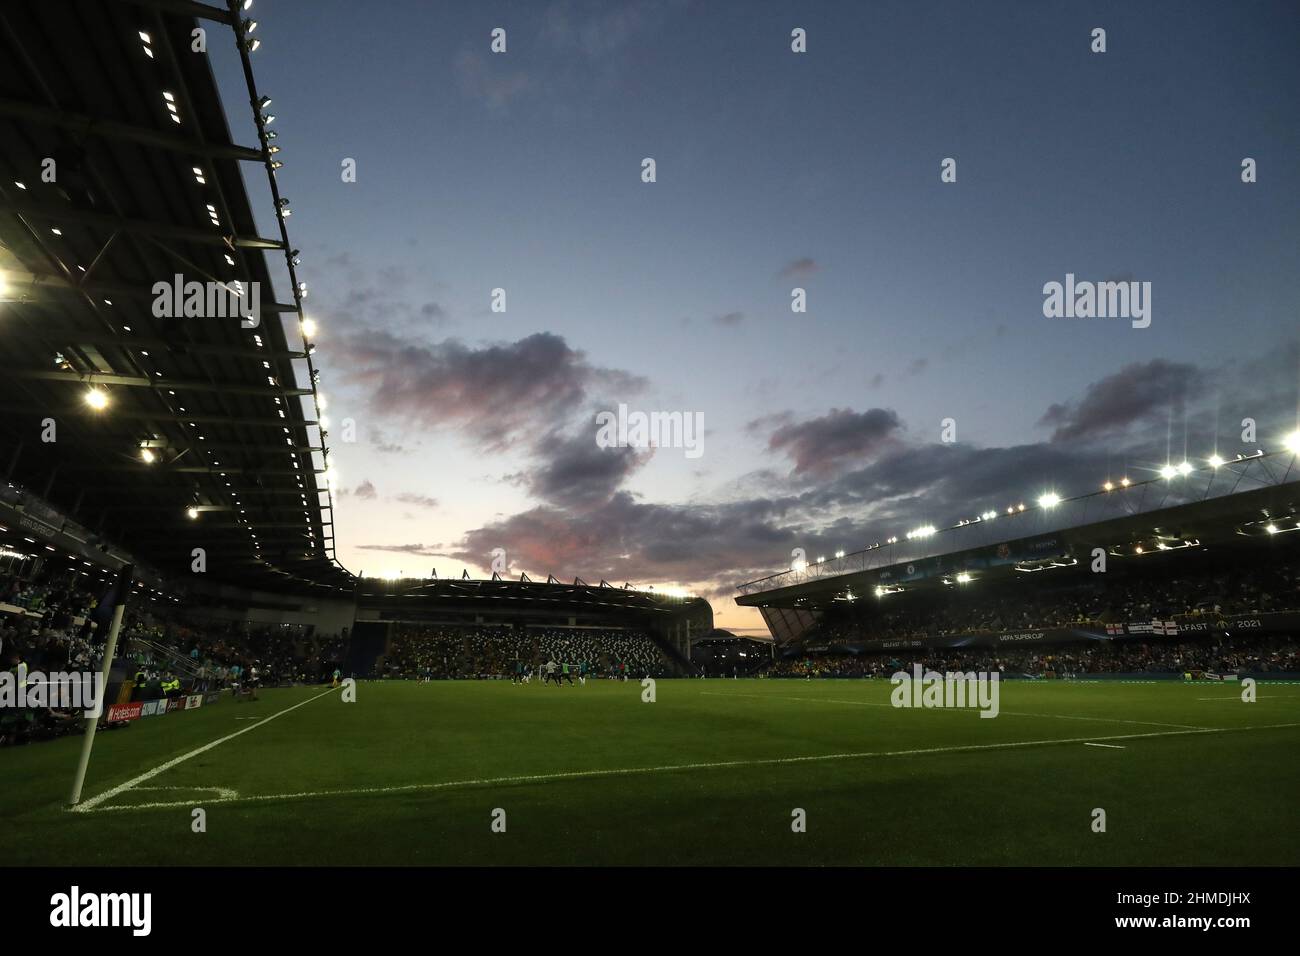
point(115, 599)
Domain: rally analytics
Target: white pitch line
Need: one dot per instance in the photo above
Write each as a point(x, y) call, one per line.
point(959, 710)
point(224, 792)
point(1111, 746)
point(88, 805)
point(669, 768)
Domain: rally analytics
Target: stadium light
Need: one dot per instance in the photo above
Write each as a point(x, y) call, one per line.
point(839, 554)
point(191, 512)
point(1049, 500)
point(963, 577)
point(1293, 442)
point(1168, 472)
point(147, 456)
point(264, 102)
point(96, 398)
point(4, 286)
point(1215, 461)
point(1108, 486)
point(1124, 482)
point(1185, 468)
point(1271, 528)
point(308, 327)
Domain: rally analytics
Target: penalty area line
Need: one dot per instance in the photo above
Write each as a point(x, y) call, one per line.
point(87, 806)
point(960, 710)
point(670, 768)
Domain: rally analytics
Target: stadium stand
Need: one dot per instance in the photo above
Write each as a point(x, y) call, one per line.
point(427, 652)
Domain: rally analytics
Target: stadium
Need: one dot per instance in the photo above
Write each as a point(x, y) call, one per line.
point(170, 542)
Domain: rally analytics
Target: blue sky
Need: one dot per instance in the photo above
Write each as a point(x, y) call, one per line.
point(821, 170)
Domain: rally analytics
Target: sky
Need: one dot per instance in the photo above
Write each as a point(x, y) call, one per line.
point(922, 384)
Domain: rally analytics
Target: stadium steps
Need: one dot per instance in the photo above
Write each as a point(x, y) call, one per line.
point(680, 665)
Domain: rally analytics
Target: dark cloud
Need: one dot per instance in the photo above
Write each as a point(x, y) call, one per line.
point(800, 269)
point(730, 318)
point(766, 424)
point(365, 490)
point(1142, 392)
point(626, 540)
point(424, 501)
point(399, 549)
point(380, 443)
point(579, 473)
point(495, 393)
point(821, 446)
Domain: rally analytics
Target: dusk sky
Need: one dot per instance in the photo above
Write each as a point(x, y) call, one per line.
point(522, 171)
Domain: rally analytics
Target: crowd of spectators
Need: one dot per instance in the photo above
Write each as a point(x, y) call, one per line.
point(164, 651)
point(1097, 599)
point(1225, 655)
point(441, 652)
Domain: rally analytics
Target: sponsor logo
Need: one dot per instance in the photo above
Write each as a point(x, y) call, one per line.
point(120, 712)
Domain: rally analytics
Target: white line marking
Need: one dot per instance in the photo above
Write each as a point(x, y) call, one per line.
point(957, 710)
point(1267, 697)
point(87, 805)
point(630, 771)
point(1111, 746)
point(223, 792)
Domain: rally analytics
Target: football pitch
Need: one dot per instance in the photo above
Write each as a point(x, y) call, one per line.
point(710, 773)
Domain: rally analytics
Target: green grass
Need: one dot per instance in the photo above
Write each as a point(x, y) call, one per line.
point(1171, 799)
